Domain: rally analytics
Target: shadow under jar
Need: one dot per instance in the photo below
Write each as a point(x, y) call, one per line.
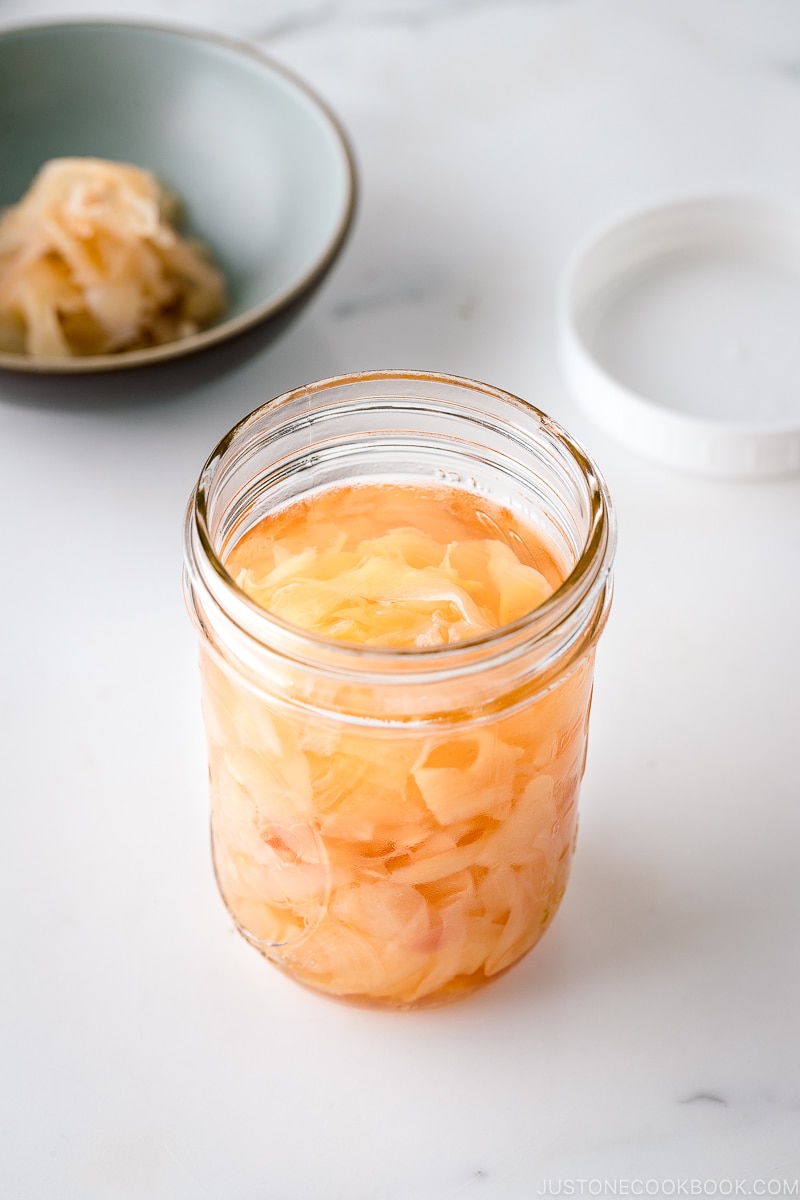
point(393, 824)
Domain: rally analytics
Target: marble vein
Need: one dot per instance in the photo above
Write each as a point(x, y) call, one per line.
point(422, 13)
point(376, 300)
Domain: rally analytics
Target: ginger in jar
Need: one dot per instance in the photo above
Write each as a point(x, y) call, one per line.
point(397, 862)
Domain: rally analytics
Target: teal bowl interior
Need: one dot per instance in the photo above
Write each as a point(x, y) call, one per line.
point(263, 169)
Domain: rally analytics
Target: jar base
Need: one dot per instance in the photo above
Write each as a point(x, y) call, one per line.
point(458, 988)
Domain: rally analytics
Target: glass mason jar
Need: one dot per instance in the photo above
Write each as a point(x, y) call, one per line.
point(391, 825)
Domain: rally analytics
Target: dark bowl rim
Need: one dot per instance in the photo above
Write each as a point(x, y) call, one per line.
point(258, 314)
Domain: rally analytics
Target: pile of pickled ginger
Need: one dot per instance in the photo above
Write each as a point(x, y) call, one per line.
point(91, 263)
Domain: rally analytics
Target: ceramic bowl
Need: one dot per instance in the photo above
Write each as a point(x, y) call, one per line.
point(262, 167)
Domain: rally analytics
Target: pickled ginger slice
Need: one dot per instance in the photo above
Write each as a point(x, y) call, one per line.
point(378, 601)
point(315, 565)
point(237, 714)
point(262, 923)
point(468, 776)
point(394, 917)
point(90, 263)
point(343, 961)
point(521, 588)
point(465, 938)
point(528, 917)
point(529, 830)
point(369, 814)
point(363, 791)
point(432, 862)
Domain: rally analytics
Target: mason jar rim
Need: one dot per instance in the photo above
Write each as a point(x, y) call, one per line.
point(587, 576)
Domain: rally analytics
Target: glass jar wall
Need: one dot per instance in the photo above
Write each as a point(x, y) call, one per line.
point(394, 823)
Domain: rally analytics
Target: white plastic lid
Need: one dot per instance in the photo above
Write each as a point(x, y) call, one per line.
point(680, 334)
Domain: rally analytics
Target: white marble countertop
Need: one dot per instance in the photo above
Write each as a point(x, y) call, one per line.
point(653, 1036)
